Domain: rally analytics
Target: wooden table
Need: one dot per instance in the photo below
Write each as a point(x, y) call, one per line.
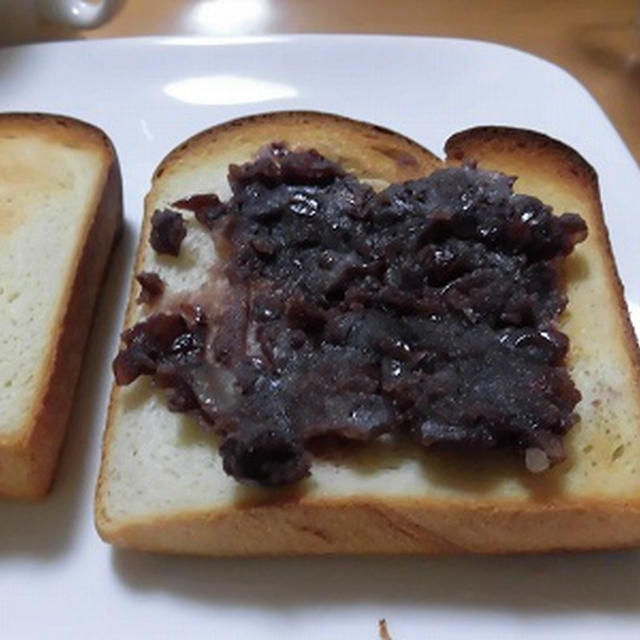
point(592, 39)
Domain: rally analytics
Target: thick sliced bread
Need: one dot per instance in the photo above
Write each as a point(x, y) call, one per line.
point(162, 487)
point(60, 211)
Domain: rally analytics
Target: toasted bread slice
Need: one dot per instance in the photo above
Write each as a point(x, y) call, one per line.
point(60, 211)
point(162, 487)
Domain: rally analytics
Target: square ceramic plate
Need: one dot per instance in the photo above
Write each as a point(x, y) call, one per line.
point(58, 580)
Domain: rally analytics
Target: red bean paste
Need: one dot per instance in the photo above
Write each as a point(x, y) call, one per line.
point(428, 311)
point(151, 287)
point(167, 232)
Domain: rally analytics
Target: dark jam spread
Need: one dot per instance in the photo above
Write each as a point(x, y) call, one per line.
point(151, 287)
point(167, 231)
point(428, 310)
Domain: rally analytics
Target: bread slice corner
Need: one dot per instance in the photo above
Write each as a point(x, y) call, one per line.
point(60, 211)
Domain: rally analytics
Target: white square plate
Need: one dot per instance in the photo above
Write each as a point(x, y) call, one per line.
point(58, 580)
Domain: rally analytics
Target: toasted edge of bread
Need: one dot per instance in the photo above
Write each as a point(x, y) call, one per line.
point(554, 512)
point(29, 454)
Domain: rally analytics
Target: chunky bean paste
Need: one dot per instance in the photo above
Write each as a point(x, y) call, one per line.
point(425, 311)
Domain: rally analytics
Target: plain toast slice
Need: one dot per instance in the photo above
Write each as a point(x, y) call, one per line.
point(60, 212)
point(162, 487)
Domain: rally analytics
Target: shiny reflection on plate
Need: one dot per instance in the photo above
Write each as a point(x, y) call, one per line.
point(228, 17)
point(227, 90)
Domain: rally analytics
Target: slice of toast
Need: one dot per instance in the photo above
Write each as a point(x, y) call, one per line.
point(162, 487)
point(60, 212)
